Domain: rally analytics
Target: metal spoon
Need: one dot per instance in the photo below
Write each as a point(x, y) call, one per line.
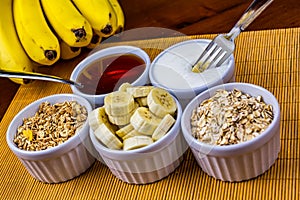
point(37, 76)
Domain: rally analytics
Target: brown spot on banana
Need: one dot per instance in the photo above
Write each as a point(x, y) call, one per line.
point(107, 29)
point(50, 54)
point(79, 33)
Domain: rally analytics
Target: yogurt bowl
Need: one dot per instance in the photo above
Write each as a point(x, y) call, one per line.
point(172, 70)
point(106, 69)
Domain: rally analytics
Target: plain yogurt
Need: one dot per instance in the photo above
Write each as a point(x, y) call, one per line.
point(172, 70)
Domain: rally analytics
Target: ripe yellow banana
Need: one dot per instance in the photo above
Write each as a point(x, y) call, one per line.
point(120, 15)
point(67, 52)
point(68, 22)
point(96, 40)
point(36, 37)
point(12, 54)
point(99, 13)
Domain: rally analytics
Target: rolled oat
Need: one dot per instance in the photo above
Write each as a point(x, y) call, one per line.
point(230, 117)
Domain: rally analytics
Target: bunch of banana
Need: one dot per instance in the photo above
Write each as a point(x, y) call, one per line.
point(40, 32)
point(12, 55)
point(123, 123)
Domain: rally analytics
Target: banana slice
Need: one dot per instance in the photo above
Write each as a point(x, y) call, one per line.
point(161, 103)
point(163, 127)
point(123, 87)
point(144, 121)
point(118, 103)
point(124, 130)
point(120, 120)
point(97, 117)
point(131, 134)
point(136, 142)
point(142, 101)
point(139, 91)
point(107, 137)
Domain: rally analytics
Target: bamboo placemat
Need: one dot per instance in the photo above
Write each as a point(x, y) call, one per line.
point(267, 58)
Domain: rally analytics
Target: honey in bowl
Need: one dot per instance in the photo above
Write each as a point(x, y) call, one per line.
point(108, 73)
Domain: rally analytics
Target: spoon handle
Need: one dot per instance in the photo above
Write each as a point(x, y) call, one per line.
point(37, 76)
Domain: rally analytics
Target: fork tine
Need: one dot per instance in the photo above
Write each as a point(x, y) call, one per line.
point(211, 56)
point(206, 50)
point(219, 54)
point(223, 59)
point(199, 66)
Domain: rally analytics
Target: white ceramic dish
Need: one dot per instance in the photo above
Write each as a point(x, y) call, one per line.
point(60, 163)
point(241, 161)
point(147, 164)
point(171, 70)
point(98, 99)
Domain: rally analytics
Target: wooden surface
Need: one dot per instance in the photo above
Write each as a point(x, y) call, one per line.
point(188, 17)
point(266, 58)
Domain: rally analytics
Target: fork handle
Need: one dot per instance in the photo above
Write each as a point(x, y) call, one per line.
point(250, 14)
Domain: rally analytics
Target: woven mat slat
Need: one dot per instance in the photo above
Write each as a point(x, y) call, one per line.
point(269, 58)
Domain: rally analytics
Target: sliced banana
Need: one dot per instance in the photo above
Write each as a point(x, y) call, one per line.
point(108, 137)
point(161, 103)
point(163, 127)
point(142, 101)
point(145, 113)
point(139, 91)
point(120, 120)
point(118, 103)
point(124, 130)
point(123, 87)
point(97, 117)
point(144, 121)
point(131, 134)
point(136, 142)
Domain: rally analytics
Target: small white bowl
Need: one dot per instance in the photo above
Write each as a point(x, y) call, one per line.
point(241, 161)
point(147, 164)
point(62, 162)
point(94, 99)
point(172, 70)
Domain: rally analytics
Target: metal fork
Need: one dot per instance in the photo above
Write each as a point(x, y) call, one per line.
point(222, 46)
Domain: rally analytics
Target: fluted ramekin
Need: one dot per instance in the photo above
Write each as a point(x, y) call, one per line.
point(172, 70)
point(236, 162)
point(59, 163)
point(147, 164)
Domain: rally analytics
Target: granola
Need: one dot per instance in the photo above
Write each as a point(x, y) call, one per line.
point(50, 126)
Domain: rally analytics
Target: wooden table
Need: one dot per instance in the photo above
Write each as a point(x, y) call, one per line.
point(188, 17)
point(269, 58)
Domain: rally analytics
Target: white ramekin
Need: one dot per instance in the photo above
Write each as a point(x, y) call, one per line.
point(147, 164)
point(241, 161)
point(97, 100)
point(186, 85)
point(60, 163)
